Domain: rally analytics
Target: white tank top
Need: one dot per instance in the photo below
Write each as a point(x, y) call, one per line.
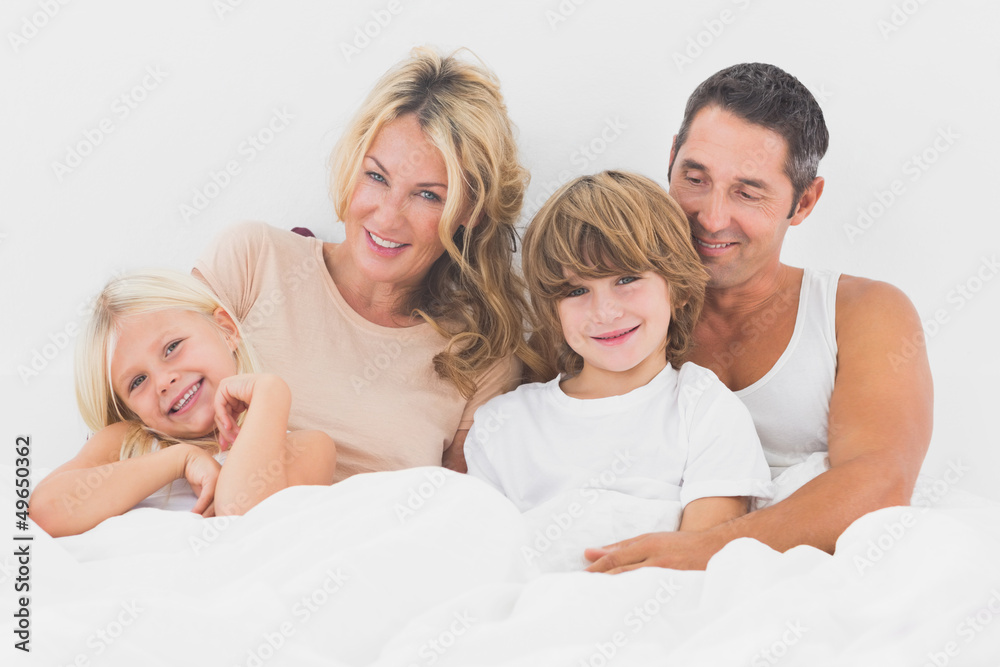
point(791, 403)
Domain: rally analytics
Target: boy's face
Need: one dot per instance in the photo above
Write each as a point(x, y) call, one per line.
point(618, 325)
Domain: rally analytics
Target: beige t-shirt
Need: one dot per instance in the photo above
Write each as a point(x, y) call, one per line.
point(373, 389)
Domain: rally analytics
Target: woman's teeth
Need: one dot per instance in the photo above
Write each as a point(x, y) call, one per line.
point(185, 398)
point(385, 244)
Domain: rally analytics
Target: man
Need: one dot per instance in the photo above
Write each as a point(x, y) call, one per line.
point(824, 363)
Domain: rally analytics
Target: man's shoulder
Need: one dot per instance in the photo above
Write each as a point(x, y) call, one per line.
point(861, 297)
point(873, 313)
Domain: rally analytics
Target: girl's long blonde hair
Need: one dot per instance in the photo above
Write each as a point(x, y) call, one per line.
point(124, 296)
point(472, 294)
point(609, 224)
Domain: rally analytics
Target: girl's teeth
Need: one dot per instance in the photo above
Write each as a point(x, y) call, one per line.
point(385, 244)
point(185, 397)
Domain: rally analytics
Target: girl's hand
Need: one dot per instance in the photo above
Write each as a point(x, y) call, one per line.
point(232, 398)
point(201, 472)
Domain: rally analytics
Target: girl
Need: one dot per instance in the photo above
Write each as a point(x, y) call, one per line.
point(163, 374)
point(616, 289)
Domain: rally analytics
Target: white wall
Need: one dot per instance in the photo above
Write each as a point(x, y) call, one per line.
point(892, 76)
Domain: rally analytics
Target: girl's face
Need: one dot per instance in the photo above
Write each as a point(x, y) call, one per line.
point(395, 209)
point(618, 325)
point(167, 366)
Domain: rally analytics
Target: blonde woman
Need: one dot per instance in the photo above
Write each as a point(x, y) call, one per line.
point(391, 339)
point(164, 378)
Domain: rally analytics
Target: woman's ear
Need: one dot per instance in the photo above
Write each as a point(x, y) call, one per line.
point(228, 326)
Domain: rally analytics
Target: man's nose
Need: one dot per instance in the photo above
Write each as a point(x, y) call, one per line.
point(713, 216)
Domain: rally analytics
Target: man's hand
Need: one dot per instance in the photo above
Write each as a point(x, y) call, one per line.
point(675, 550)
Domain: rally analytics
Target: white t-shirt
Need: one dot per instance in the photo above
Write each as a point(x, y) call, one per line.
point(178, 496)
point(681, 437)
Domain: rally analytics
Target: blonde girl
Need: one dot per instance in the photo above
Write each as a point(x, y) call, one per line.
point(169, 387)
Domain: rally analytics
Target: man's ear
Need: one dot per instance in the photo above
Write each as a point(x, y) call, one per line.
point(228, 326)
point(807, 201)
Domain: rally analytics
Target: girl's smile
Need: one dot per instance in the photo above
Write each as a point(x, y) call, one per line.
point(167, 366)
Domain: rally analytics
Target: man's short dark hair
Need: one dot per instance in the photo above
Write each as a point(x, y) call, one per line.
point(770, 97)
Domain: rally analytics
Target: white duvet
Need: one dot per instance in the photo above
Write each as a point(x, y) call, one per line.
point(427, 567)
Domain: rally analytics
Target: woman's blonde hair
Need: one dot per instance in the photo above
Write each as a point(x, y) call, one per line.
point(125, 296)
point(471, 294)
point(609, 224)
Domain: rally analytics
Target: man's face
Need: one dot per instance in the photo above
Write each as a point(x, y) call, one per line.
point(729, 178)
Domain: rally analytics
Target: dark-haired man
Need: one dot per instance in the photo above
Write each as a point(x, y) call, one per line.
point(826, 363)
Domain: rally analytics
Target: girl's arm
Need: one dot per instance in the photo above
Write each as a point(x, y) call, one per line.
point(705, 513)
point(95, 485)
point(264, 458)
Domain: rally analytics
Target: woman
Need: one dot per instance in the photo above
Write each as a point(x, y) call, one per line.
point(390, 340)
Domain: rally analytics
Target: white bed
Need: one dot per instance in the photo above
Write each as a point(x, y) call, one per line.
point(428, 567)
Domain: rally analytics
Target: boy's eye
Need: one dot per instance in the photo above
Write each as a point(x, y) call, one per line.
point(136, 381)
point(577, 291)
point(625, 280)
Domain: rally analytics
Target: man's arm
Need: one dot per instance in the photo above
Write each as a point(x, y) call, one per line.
point(880, 426)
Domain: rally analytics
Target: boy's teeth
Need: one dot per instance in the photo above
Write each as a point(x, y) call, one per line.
point(185, 397)
point(385, 244)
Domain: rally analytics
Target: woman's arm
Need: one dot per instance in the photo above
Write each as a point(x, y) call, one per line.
point(264, 458)
point(95, 485)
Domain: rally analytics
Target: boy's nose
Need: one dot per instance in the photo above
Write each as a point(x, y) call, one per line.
point(608, 309)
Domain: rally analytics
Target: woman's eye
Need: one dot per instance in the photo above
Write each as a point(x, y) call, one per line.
point(136, 382)
point(429, 196)
point(375, 176)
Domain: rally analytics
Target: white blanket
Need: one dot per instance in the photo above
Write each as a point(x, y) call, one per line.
point(427, 567)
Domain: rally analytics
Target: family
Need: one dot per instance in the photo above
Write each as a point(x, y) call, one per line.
point(660, 326)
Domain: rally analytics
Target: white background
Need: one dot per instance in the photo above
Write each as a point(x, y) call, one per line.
point(891, 76)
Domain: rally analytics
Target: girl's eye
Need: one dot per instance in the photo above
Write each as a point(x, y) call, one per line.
point(579, 291)
point(136, 381)
point(172, 347)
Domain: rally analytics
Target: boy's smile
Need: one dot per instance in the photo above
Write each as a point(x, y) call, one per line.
point(619, 325)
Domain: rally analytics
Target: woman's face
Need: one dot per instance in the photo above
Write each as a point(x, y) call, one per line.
point(392, 219)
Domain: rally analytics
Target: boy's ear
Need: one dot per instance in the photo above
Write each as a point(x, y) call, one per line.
point(228, 325)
